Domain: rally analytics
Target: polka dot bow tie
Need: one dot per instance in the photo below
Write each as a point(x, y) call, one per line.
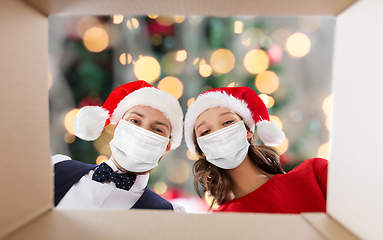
point(122, 180)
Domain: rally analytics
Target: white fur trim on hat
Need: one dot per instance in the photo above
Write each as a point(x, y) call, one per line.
point(89, 122)
point(212, 100)
point(270, 133)
point(157, 99)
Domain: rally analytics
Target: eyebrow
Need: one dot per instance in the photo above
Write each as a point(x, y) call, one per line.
point(203, 122)
point(139, 114)
point(161, 123)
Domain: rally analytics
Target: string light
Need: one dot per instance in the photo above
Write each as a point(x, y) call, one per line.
point(118, 18)
point(238, 27)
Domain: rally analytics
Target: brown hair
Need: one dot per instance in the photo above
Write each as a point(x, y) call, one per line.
point(216, 181)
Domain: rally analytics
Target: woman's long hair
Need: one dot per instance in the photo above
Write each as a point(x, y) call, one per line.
point(216, 181)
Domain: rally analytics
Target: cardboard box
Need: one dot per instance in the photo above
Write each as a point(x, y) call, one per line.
point(355, 181)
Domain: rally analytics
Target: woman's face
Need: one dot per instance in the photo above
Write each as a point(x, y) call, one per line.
point(214, 119)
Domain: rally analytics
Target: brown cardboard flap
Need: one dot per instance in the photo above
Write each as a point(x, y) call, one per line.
point(144, 224)
point(328, 227)
point(194, 7)
point(26, 176)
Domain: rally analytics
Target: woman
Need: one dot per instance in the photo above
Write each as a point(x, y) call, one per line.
point(242, 176)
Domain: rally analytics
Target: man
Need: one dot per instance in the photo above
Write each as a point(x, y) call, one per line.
point(149, 124)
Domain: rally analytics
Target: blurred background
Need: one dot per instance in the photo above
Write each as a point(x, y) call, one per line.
point(286, 60)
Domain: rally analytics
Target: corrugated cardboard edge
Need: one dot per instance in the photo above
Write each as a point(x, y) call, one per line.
point(194, 7)
point(328, 227)
point(26, 178)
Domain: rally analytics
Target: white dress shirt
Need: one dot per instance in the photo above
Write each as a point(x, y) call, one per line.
point(90, 194)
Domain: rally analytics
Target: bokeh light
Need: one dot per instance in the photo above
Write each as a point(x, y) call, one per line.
point(100, 159)
point(324, 150)
point(156, 39)
point(118, 18)
point(190, 101)
point(328, 123)
point(69, 118)
point(267, 82)
point(123, 59)
point(132, 23)
point(205, 70)
point(96, 39)
point(238, 27)
point(110, 128)
point(246, 42)
point(309, 24)
point(165, 20)
point(101, 144)
point(160, 187)
point(222, 60)
point(209, 199)
point(283, 147)
point(148, 69)
point(327, 105)
point(179, 18)
point(50, 80)
point(179, 171)
point(298, 45)
point(275, 118)
point(191, 156)
point(181, 55)
point(275, 53)
point(86, 23)
point(69, 138)
point(171, 85)
point(271, 102)
point(251, 37)
point(153, 16)
point(170, 65)
point(279, 36)
point(264, 98)
point(233, 84)
point(256, 61)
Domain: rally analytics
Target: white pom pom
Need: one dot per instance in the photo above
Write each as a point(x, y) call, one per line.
point(89, 122)
point(270, 133)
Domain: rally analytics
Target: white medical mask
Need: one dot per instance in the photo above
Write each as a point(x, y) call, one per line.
point(227, 147)
point(135, 148)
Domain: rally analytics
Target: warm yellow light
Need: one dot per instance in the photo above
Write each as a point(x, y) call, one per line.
point(327, 105)
point(195, 61)
point(85, 24)
point(118, 18)
point(279, 36)
point(309, 24)
point(222, 60)
point(100, 159)
point(171, 85)
point(69, 138)
point(298, 45)
point(129, 60)
point(271, 102)
point(69, 118)
point(205, 70)
point(195, 20)
point(192, 156)
point(101, 144)
point(179, 171)
point(110, 128)
point(96, 39)
point(160, 187)
point(324, 150)
point(246, 42)
point(179, 18)
point(233, 84)
point(123, 59)
point(165, 20)
point(156, 39)
point(190, 101)
point(275, 118)
point(148, 69)
point(251, 37)
point(209, 199)
point(152, 16)
point(256, 61)
point(267, 82)
point(264, 98)
point(170, 65)
point(132, 23)
point(50, 80)
point(181, 55)
point(238, 27)
point(283, 147)
point(328, 123)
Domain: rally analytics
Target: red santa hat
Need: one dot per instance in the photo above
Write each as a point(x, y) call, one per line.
point(240, 100)
point(91, 120)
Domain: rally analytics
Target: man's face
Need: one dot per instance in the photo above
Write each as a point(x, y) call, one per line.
point(151, 119)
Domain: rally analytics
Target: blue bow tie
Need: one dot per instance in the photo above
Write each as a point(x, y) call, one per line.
point(122, 180)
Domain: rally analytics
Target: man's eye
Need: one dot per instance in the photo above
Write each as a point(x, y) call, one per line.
point(158, 130)
point(228, 122)
point(204, 133)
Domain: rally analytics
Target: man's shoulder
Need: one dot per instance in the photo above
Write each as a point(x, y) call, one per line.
point(151, 200)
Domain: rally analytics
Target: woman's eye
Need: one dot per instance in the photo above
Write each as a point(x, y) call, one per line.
point(134, 121)
point(228, 122)
point(204, 133)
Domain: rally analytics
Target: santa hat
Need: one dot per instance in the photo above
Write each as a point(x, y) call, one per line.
point(240, 100)
point(91, 120)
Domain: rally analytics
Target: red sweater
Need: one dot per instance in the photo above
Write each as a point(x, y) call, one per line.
point(303, 189)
